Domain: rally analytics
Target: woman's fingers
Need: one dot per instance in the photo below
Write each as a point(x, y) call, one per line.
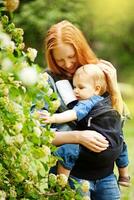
point(94, 141)
point(99, 146)
point(111, 75)
point(99, 137)
point(96, 148)
point(107, 63)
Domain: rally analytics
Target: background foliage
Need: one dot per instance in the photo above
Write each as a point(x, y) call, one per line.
point(25, 145)
point(107, 25)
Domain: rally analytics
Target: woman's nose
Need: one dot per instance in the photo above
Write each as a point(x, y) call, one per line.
point(67, 64)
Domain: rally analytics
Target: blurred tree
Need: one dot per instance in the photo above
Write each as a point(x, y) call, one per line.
point(107, 25)
point(36, 16)
point(113, 34)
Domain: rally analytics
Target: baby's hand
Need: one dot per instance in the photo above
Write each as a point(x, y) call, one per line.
point(45, 117)
point(43, 112)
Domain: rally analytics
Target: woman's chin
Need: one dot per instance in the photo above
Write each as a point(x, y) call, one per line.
point(70, 75)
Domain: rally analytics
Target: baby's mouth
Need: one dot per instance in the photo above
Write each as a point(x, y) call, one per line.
point(77, 97)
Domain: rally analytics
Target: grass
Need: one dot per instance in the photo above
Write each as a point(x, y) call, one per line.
point(128, 193)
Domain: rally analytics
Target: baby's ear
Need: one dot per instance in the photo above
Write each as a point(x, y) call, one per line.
point(97, 89)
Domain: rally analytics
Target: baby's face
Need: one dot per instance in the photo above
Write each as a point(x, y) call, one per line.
point(83, 87)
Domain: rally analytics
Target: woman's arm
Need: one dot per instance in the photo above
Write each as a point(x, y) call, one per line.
point(90, 139)
point(113, 89)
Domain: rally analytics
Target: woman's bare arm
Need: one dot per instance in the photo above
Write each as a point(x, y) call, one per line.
point(90, 139)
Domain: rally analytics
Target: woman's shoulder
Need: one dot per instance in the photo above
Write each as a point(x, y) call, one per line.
point(52, 75)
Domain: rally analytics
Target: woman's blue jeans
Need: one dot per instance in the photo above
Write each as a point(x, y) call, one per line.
point(103, 189)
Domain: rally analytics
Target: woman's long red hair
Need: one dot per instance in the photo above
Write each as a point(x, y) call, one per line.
point(67, 33)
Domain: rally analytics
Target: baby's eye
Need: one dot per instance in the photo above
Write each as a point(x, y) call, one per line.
point(81, 88)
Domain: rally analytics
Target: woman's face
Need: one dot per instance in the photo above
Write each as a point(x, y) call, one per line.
point(65, 57)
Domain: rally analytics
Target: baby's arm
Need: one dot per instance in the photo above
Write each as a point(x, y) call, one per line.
point(67, 116)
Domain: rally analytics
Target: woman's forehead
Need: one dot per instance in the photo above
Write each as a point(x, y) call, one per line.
point(63, 50)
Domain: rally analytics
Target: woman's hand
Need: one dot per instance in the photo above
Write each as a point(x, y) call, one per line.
point(112, 85)
point(92, 140)
point(111, 76)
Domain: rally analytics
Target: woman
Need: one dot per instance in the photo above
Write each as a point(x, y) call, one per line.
point(67, 50)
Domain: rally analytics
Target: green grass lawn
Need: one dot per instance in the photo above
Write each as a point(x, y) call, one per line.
point(128, 193)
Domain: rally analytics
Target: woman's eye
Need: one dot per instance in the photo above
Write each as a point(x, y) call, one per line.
point(71, 56)
point(59, 60)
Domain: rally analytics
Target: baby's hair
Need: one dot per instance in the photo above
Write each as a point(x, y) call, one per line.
point(94, 72)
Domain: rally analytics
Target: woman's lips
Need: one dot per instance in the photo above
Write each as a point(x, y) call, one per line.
point(71, 71)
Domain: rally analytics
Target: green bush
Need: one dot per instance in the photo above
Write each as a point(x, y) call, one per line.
point(25, 146)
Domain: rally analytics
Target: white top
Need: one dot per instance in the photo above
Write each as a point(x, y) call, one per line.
point(66, 91)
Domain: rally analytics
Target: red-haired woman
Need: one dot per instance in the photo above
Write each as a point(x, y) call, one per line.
point(66, 50)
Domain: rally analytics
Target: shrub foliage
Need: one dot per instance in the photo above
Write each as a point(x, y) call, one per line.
point(25, 146)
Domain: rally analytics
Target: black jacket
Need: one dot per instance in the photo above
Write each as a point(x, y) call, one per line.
point(107, 121)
